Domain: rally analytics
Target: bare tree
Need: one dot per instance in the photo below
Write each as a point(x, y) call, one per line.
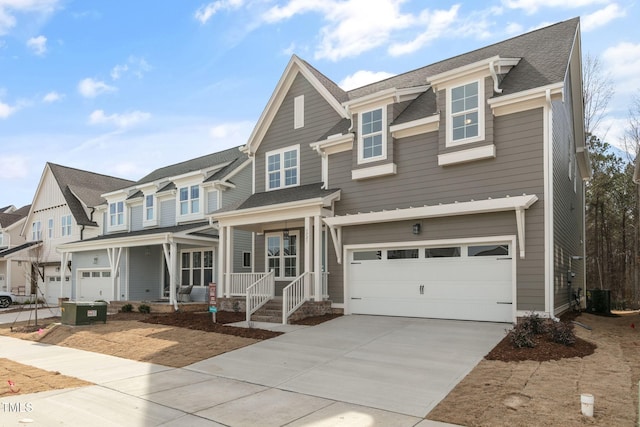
point(597, 91)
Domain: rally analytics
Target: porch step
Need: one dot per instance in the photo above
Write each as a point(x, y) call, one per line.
point(271, 312)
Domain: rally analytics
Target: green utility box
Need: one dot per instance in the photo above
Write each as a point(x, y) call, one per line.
point(83, 313)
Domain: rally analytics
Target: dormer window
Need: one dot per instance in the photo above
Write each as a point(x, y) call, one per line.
point(116, 214)
point(372, 141)
point(149, 207)
point(190, 200)
point(465, 122)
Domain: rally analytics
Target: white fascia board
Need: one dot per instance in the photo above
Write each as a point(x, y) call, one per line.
point(294, 67)
point(416, 127)
point(297, 209)
point(148, 187)
point(449, 209)
point(525, 100)
point(116, 194)
point(189, 176)
point(473, 68)
point(334, 144)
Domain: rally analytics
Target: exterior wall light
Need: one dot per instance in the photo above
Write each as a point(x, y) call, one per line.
point(416, 228)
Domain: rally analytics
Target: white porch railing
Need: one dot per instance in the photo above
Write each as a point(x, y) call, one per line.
point(259, 293)
point(239, 282)
point(294, 294)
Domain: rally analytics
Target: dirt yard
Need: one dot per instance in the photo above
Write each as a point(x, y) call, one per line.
point(525, 393)
point(495, 393)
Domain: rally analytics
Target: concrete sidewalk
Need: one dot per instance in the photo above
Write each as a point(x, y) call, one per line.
point(142, 394)
point(8, 315)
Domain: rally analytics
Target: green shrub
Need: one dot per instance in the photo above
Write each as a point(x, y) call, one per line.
point(236, 306)
point(562, 333)
point(521, 336)
point(144, 308)
point(127, 308)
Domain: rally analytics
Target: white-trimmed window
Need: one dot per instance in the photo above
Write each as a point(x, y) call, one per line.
point(189, 200)
point(36, 231)
point(298, 112)
point(246, 259)
point(282, 168)
point(196, 267)
point(372, 140)
point(465, 122)
point(149, 204)
point(50, 228)
point(116, 214)
point(282, 254)
point(1, 239)
point(66, 225)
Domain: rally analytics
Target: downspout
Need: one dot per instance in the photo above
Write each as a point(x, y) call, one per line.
point(548, 199)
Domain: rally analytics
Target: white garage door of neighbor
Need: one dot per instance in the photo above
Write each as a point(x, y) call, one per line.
point(52, 285)
point(95, 285)
point(466, 282)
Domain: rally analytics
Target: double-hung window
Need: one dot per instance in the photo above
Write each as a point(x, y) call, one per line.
point(372, 142)
point(196, 268)
point(36, 231)
point(190, 200)
point(116, 214)
point(282, 168)
point(148, 207)
point(282, 254)
point(50, 228)
point(66, 225)
point(466, 115)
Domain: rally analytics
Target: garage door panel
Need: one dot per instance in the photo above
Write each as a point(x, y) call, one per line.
point(457, 287)
point(95, 285)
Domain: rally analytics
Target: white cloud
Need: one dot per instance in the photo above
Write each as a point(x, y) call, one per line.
point(362, 78)
point(437, 24)
point(90, 88)
point(205, 12)
point(119, 120)
point(231, 131)
point(118, 71)
point(514, 28)
point(6, 110)
point(624, 62)
point(38, 45)
point(353, 26)
point(602, 17)
point(8, 8)
point(52, 97)
point(532, 6)
point(12, 167)
point(134, 65)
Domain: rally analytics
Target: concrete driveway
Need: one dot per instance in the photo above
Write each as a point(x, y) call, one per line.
point(403, 365)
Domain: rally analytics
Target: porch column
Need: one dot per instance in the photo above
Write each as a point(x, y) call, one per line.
point(115, 255)
point(222, 285)
point(228, 256)
point(63, 269)
point(7, 277)
point(308, 245)
point(317, 260)
point(173, 275)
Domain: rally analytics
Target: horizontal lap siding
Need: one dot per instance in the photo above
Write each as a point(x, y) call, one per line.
point(567, 206)
point(319, 118)
point(145, 276)
point(517, 169)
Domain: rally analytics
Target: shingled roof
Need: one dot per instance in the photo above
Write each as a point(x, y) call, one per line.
point(6, 219)
point(203, 162)
point(83, 188)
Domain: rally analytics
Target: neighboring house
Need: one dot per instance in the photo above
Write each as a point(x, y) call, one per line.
point(452, 191)
point(63, 210)
point(12, 277)
point(156, 234)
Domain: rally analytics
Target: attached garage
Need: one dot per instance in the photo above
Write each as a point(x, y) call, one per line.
point(54, 288)
point(94, 285)
point(466, 281)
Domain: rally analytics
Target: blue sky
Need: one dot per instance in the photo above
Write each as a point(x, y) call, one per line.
point(125, 87)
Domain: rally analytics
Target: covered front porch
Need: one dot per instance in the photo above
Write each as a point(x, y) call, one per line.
point(145, 265)
point(289, 248)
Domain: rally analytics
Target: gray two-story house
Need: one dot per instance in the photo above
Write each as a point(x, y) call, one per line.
point(157, 236)
point(452, 191)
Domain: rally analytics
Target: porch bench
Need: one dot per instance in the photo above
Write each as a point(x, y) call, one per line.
point(184, 293)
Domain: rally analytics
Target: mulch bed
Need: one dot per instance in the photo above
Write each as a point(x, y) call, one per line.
point(543, 351)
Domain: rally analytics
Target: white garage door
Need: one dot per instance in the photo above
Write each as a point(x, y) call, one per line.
point(467, 282)
point(52, 291)
point(95, 285)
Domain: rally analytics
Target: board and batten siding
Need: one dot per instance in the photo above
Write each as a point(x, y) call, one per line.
point(135, 218)
point(212, 201)
point(167, 212)
point(567, 200)
point(320, 117)
point(145, 280)
point(517, 169)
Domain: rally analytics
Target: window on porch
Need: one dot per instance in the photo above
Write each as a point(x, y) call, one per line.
point(196, 267)
point(282, 254)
